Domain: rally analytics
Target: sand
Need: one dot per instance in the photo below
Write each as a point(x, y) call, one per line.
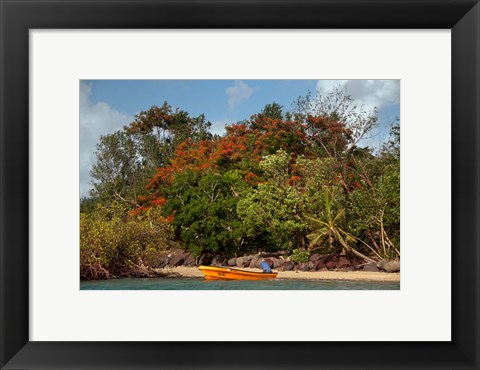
point(299, 275)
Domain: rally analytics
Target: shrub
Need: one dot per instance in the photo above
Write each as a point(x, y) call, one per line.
point(299, 255)
point(115, 244)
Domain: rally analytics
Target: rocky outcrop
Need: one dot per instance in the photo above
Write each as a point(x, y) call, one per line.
point(316, 262)
point(389, 266)
point(372, 267)
point(315, 257)
point(176, 260)
point(286, 266)
point(320, 264)
point(343, 262)
point(189, 260)
point(160, 262)
point(277, 262)
point(253, 262)
point(305, 266)
point(218, 260)
point(205, 259)
point(331, 264)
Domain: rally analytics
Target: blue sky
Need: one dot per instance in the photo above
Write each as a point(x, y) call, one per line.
point(220, 100)
point(108, 105)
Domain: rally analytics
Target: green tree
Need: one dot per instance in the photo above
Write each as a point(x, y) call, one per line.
point(329, 226)
point(168, 127)
point(128, 159)
point(272, 212)
point(88, 204)
point(375, 209)
point(114, 244)
point(375, 205)
point(273, 110)
point(204, 206)
point(119, 173)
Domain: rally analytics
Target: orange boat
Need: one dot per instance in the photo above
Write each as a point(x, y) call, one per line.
point(227, 273)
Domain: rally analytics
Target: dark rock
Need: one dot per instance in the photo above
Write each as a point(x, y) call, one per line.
point(331, 257)
point(277, 262)
point(287, 266)
point(189, 260)
point(247, 260)
point(357, 262)
point(205, 260)
point(372, 267)
point(331, 264)
point(176, 260)
point(253, 262)
point(349, 268)
point(218, 260)
point(232, 262)
point(160, 262)
point(315, 257)
point(343, 262)
point(391, 266)
point(305, 266)
point(319, 264)
point(240, 262)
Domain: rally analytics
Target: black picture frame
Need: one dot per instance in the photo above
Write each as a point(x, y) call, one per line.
point(18, 16)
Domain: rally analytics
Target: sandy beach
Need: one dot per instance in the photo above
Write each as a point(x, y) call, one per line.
point(299, 275)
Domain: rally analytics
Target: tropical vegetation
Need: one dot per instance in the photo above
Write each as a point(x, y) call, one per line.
point(297, 182)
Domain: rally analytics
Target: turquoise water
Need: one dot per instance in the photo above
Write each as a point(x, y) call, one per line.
point(201, 284)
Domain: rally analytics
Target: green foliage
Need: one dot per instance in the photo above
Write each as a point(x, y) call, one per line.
point(276, 167)
point(276, 181)
point(273, 110)
point(128, 159)
point(88, 204)
point(315, 173)
point(273, 213)
point(205, 211)
point(327, 226)
point(113, 244)
point(375, 209)
point(122, 170)
point(299, 255)
point(169, 127)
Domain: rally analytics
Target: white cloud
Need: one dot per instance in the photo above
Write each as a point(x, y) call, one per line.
point(237, 93)
point(369, 93)
point(95, 120)
point(218, 126)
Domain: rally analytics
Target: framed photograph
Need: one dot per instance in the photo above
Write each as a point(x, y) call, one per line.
point(246, 195)
point(65, 60)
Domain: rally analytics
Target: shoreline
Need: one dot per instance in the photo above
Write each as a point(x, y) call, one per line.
point(194, 272)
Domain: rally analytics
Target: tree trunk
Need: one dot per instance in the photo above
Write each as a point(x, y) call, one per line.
point(351, 250)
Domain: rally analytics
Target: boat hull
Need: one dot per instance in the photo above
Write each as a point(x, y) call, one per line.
point(226, 273)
